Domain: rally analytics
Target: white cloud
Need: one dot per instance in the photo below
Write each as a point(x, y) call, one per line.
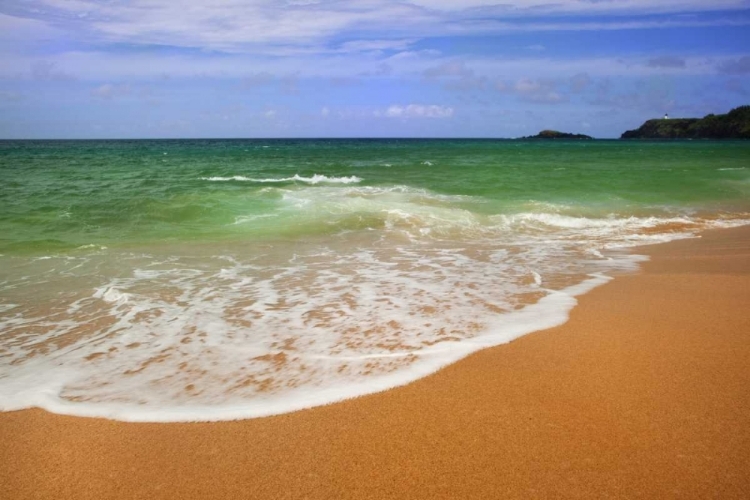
point(289, 73)
point(582, 7)
point(229, 25)
point(416, 111)
point(271, 26)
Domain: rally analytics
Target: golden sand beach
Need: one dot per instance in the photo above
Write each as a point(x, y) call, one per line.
point(644, 393)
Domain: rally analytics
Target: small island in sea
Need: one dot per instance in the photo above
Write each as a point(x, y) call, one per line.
point(554, 134)
point(733, 125)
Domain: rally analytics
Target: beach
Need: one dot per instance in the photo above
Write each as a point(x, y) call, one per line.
point(641, 394)
point(396, 249)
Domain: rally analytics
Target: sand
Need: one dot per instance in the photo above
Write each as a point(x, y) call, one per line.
point(644, 393)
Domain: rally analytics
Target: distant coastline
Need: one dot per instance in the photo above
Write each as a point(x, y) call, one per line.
point(733, 125)
point(554, 134)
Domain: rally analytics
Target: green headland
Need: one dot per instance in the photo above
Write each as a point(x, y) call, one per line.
point(733, 125)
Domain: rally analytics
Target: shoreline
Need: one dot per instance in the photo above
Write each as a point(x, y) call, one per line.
point(641, 393)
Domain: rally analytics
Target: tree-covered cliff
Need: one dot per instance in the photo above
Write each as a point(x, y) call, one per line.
point(733, 125)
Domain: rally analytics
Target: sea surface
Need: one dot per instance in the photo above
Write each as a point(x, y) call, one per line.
point(183, 280)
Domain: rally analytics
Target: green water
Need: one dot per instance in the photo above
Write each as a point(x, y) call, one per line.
point(59, 195)
point(223, 279)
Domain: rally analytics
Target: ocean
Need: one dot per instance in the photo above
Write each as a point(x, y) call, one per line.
point(201, 280)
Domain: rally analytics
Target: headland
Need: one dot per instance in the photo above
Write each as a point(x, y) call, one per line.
point(733, 125)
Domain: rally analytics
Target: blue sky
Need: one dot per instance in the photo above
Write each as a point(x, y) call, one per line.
point(365, 68)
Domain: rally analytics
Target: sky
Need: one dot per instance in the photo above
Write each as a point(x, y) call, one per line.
point(365, 68)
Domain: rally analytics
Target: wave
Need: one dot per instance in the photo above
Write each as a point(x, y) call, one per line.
point(315, 179)
point(297, 327)
point(414, 280)
point(572, 222)
point(424, 215)
point(262, 332)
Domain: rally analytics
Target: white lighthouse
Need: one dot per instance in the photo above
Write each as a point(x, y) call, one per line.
point(666, 116)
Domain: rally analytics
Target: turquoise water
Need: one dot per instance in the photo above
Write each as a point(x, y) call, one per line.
point(63, 194)
point(215, 279)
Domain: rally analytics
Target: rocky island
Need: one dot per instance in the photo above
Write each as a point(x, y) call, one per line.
point(554, 134)
point(733, 125)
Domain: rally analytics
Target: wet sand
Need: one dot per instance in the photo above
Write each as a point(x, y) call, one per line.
point(644, 393)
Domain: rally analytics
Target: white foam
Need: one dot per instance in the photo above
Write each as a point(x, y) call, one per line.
point(537, 278)
point(7, 307)
point(247, 329)
point(570, 222)
point(315, 179)
point(91, 246)
point(25, 389)
point(352, 324)
point(250, 218)
point(112, 295)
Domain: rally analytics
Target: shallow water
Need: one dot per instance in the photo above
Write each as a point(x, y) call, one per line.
point(210, 280)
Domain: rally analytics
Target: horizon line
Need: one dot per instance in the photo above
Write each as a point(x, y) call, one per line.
point(279, 138)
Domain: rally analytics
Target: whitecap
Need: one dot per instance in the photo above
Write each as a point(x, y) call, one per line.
point(315, 179)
